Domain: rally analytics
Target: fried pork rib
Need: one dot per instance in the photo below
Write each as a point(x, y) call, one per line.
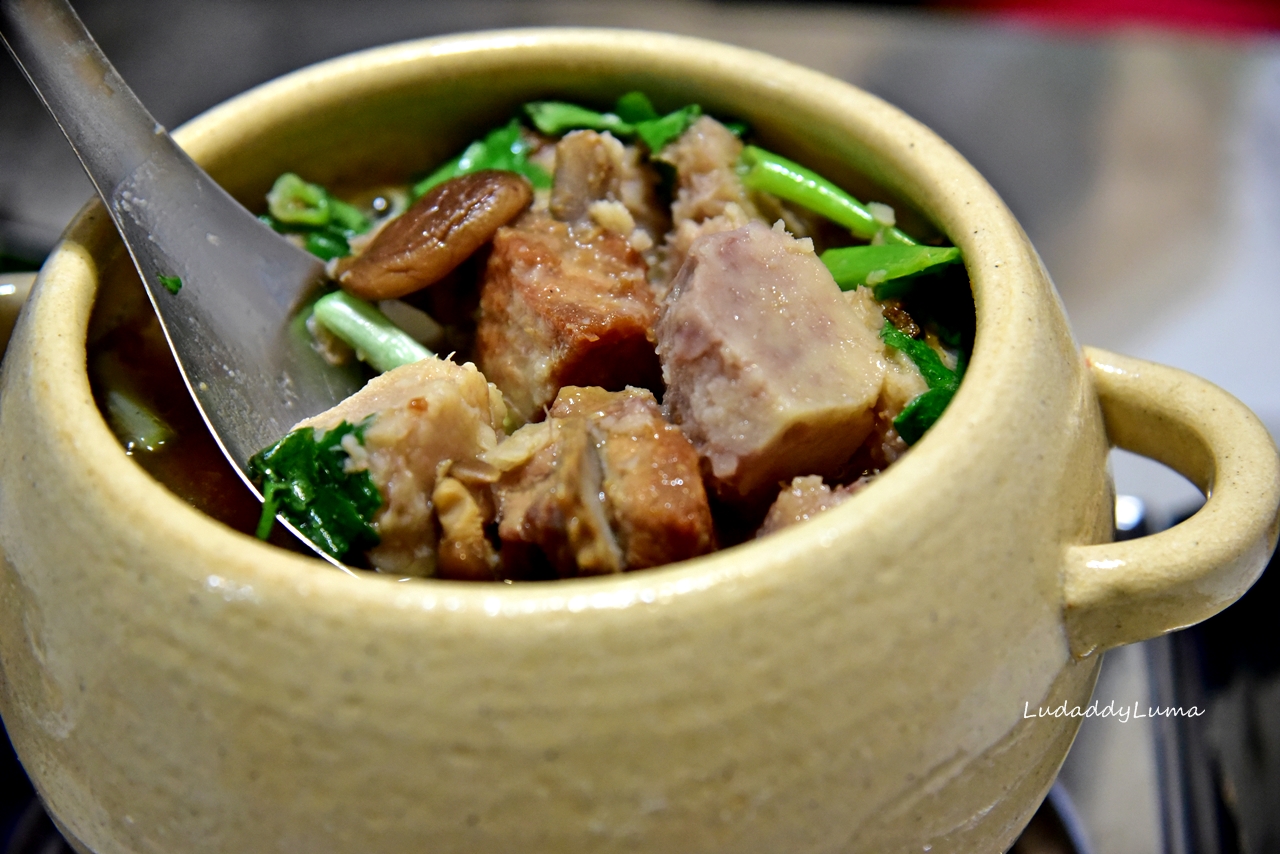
point(564, 305)
point(769, 371)
point(435, 418)
point(604, 485)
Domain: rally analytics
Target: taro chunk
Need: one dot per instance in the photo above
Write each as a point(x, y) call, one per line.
point(769, 372)
point(604, 485)
point(432, 417)
point(564, 306)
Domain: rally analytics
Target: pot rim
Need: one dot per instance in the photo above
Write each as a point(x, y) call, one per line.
point(1006, 276)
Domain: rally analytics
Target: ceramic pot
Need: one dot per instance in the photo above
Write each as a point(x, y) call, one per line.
point(866, 681)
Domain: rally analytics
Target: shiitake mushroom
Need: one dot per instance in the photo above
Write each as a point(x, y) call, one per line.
point(436, 234)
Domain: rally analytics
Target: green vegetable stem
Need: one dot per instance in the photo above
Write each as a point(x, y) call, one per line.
point(506, 148)
point(135, 425)
point(887, 269)
point(376, 339)
point(921, 413)
point(771, 173)
point(304, 479)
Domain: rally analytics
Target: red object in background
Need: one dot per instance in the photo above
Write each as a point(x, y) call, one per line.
point(1218, 16)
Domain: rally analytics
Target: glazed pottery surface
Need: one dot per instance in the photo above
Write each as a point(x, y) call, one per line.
point(860, 682)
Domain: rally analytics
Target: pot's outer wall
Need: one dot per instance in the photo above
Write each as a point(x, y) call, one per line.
point(856, 683)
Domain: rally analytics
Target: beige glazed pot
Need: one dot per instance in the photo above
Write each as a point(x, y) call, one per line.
point(857, 683)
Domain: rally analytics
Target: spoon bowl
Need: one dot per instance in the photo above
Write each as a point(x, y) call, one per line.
point(226, 288)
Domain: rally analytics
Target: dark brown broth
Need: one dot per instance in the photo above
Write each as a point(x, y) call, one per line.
point(128, 352)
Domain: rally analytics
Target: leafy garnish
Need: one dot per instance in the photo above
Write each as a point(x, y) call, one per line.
point(326, 245)
point(634, 115)
point(886, 268)
point(172, 284)
point(304, 479)
point(556, 117)
point(506, 148)
point(658, 132)
point(921, 413)
point(635, 107)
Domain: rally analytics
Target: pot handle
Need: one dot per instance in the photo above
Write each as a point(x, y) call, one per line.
point(1118, 593)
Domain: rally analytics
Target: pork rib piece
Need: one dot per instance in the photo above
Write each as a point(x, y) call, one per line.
point(432, 417)
point(564, 306)
point(600, 180)
point(710, 196)
point(604, 485)
point(805, 498)
point(769, 371)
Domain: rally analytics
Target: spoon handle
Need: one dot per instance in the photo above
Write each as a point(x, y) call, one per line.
point(110, 130)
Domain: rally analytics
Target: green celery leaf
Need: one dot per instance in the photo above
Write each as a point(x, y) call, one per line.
point(936, 374)
point(303, 479)
point(172, 284)
point(326, 244)
point(635, 107)
point(505, 148)
point(556, 117)
point(656, 133)
point(889, 263)
point(921, 414)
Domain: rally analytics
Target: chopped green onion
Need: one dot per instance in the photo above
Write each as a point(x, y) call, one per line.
point(172, 284)
point(878, 266)
point(376, 339)
point(772, 173)
point(304, 478)
point(506, 149)
point(298, 207)
point(297, 202)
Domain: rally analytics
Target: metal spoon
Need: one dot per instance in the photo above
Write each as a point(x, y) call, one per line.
point(226, 288)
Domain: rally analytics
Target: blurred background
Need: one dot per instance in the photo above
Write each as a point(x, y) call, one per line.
point(1137, 141)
